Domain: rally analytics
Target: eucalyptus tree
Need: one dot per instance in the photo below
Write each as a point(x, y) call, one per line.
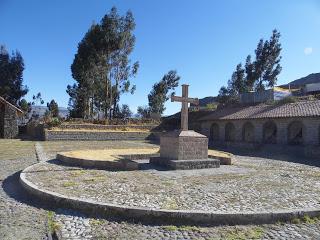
point(161, 92)
point(258, 74)
point(11, 76)
point(102, 67)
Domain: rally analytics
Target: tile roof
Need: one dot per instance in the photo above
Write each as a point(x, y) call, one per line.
point(297, 109)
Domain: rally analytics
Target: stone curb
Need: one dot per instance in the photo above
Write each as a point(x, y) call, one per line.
point(161, 215)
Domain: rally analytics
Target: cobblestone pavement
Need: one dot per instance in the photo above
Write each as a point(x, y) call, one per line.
point(77, 226)
point(250, 185)
point(18, 219)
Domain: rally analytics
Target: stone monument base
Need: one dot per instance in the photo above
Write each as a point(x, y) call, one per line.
point(183, 145)
point(184, 150)
point(185, 164)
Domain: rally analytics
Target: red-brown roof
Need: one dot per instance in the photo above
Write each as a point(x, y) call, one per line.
point(11, 105)
point(297, 109)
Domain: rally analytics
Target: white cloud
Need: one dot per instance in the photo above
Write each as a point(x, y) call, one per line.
point(308, 50)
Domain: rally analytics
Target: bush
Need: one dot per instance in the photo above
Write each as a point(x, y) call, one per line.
point(53, 122)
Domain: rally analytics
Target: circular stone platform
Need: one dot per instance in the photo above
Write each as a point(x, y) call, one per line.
point(253, 190)
point(123, 159)
point(112, 159)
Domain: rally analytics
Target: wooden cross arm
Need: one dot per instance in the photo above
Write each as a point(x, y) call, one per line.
point(183, 99)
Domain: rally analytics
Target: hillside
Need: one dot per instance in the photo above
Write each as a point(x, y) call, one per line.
point(311, 78)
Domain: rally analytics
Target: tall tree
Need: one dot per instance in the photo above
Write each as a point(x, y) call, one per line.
point(236, 86)
point(53, 108)
point(161, 92)
point(267, 63)
point(256, 75)
point(250, 75)
point(143, 112)
point(102, 67)
point(11, 76)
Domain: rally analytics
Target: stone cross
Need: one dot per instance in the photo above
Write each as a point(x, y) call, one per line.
point(184, 108)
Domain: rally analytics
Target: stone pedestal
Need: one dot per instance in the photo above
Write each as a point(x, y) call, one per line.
point(183, 145)
point(184, 150)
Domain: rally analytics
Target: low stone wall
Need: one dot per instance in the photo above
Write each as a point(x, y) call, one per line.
point(35, 130)
point(105, 127)
point(51, 135)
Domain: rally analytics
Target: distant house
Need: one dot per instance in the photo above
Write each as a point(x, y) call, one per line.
point(9, 115)
point(273, 94)
point(311, 88)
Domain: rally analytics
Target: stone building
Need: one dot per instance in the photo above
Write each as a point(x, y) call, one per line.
point(9, 115)
point(287, 124)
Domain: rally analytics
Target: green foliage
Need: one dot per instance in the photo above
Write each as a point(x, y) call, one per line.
point(211, 106)
point(183, 228)
point(161, 92)
point(236, 85)
point(53, 108)
point(37, 99)
point(244, 234)
point(53, 122)
point(305, 219)
point(53, 226)
point(11, 76)
point(24, 105)
point(102, 68)
point(124, 112)
point(69, 184)
point(143, 112)
point(256, 75)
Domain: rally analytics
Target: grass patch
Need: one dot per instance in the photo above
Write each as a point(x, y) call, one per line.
point(96, 222)
point(296, 221)
point(170, 204)
point(244, 234)
point(68, 184)
point(53, 226)
point(305, 219)
point(11, 149)
point(77, 173)
point(94, 179)
point(183, 228)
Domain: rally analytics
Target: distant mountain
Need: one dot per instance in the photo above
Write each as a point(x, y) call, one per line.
point(311, 78)
point(204, 101)
point(40, 111)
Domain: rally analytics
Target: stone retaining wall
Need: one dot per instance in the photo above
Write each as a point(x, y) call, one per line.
point(105, 127)
point(51, 135)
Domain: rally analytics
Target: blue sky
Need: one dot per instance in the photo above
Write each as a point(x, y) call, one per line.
point(203, 40)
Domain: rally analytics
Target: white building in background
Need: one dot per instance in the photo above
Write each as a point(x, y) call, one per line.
point(273, 94)
point(311, 88)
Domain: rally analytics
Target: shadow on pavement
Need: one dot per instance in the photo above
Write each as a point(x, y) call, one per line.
point(294, 154)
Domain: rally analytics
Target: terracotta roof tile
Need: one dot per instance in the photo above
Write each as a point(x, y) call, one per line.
point(297, 109)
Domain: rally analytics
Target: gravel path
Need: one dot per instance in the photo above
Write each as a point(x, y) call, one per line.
point(18, 218)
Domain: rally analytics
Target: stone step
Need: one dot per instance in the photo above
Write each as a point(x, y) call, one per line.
point(186, 164)
point(194, 164)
